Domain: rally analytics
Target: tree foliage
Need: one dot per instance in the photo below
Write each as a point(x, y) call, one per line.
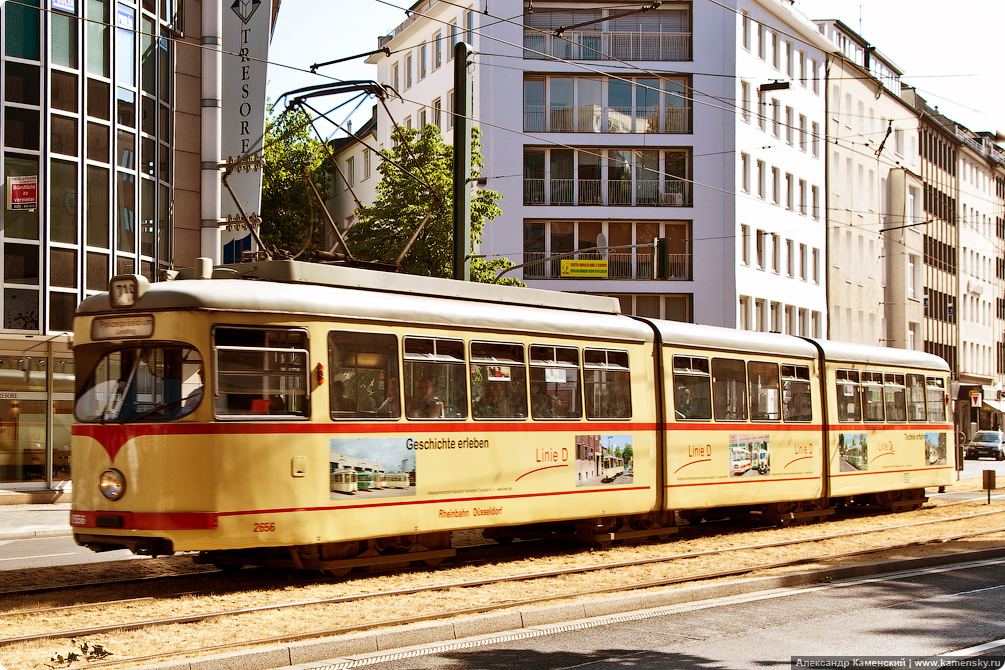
point(403, 200)
point(292, 220)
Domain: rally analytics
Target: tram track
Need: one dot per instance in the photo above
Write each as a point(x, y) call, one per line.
point(490, 602)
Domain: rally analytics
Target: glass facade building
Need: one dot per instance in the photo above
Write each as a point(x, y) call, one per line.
point(88, 123)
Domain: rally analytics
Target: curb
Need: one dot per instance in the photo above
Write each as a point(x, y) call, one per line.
point(35, 534)
point(39, 497)
point(332, 651)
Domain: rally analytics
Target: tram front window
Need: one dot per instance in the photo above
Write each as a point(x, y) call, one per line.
point(142, 384)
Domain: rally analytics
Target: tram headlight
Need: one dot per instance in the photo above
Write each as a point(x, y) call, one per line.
point(112, 484)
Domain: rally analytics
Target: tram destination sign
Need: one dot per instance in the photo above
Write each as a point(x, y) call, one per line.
point(122, 327)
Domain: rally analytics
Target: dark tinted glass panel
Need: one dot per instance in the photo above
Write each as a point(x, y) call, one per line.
point(64, 135)
point(22, 83)
point(21, 128)
point(20, 264)
point(97, 272)
point(64, 91)
point(63, 268)
point(97, 99)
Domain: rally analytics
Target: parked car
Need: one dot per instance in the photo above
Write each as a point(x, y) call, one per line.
point(986, 443)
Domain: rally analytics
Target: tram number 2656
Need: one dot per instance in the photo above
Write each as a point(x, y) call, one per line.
point(268, 527)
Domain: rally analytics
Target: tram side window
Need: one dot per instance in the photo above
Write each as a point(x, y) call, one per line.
point(935, 392)
point(729, 389)
point(554, 383)
point(498, 381)
point(848, 398)
point(764, 396)
point(434, 381)
point(142, 384)
point(261, 371)
point(916, 398)
point(872, 395)
point(896, 398)
point(692, 395)
point(797, 402)
point(606, 384)
point(363, 370)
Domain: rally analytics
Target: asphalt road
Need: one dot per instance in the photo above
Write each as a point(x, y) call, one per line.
point(53, 551)
point(918, 614)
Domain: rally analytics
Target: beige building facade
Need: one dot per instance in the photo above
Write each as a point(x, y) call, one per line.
point(875, 221)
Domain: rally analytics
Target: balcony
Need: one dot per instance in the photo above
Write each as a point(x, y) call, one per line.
point(593, 45)
point(597, 119)
point(616, 192)
point(622, 265)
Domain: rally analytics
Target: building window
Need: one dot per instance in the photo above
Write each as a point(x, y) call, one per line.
point(660, 35)
point(408, 71)
point(745, 244)
point(614, 105)
point(761, 180)
point(394, 77)
point(422, 62)
point(437, 50)
point(366, 162)
point(629, 254)
point(745, 172)
point(646, 177)
point(437, 113)
point(745, 100)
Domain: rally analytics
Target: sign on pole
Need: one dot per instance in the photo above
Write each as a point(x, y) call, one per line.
point(247, 26)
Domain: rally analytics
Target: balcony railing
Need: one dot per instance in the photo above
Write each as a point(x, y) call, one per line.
point(620, 265)
point(597, 119)
point(633, 46)
point(618, 192)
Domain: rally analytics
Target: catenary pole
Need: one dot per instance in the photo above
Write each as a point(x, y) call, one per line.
point(462, 112)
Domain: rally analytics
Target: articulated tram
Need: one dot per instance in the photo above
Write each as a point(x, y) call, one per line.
point(287, 413)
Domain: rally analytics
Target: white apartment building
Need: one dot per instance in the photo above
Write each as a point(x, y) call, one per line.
point(699, 122)
point(980, 170)
point(355, 181)
point(876, 227)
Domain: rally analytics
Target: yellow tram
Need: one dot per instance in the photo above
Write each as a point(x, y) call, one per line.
point(214, 411)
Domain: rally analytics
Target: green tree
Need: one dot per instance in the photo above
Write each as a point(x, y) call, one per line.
point(292, 221)
point(627, 453)
point(384, 228)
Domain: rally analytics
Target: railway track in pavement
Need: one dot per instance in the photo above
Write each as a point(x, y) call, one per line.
point(122, 625)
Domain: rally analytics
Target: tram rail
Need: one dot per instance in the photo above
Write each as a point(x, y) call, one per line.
point(107, 632)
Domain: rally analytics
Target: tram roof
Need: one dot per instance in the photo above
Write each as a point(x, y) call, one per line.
point(728, 339)
point(847, 352)
point(320, 274)
point(368, 295)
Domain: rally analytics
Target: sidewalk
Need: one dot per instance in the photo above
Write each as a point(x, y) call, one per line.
point(27, 521)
